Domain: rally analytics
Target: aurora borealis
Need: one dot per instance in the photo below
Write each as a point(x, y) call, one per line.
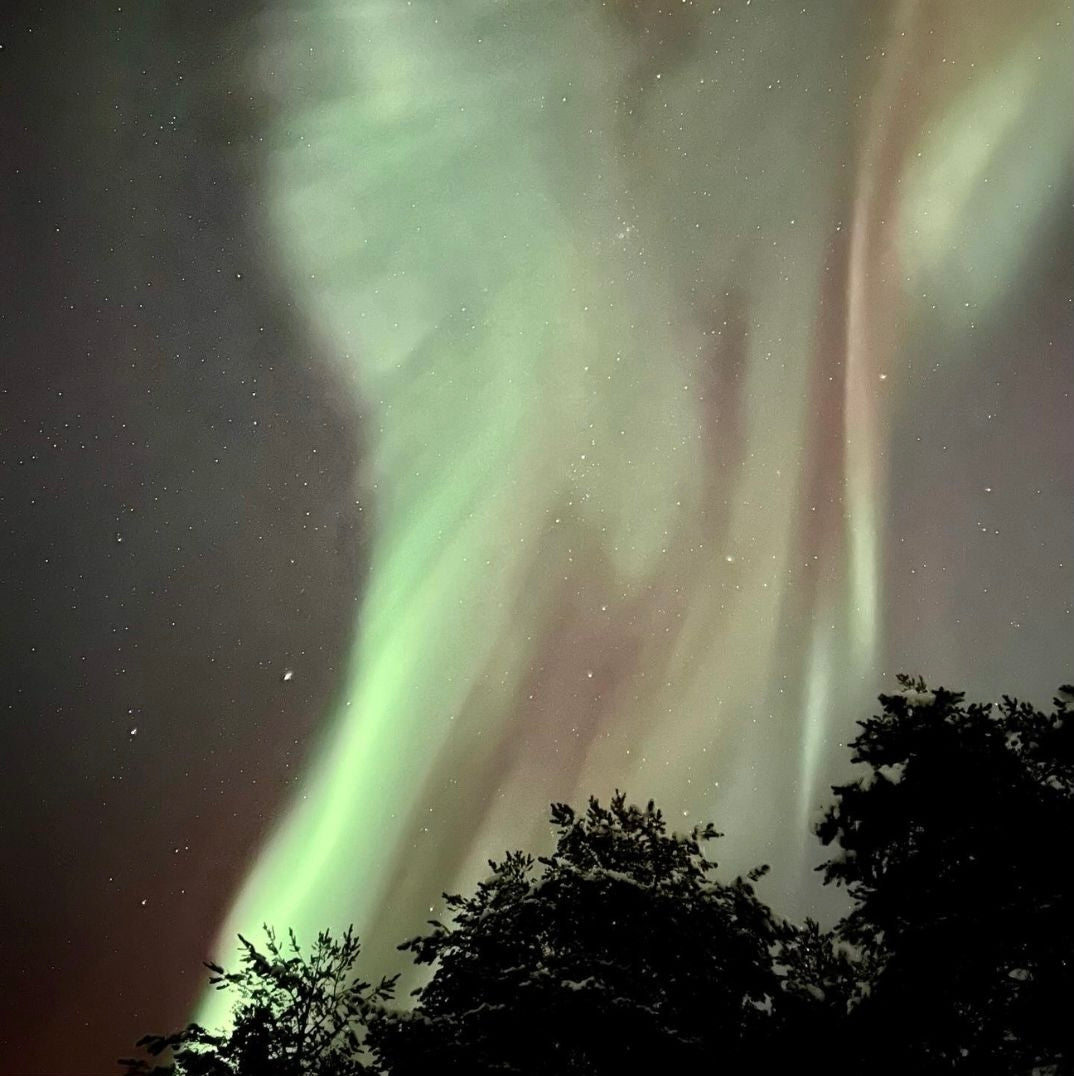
point(485, 403)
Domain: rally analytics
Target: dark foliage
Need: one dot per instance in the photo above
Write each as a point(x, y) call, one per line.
point(619, 954)
point(954, 852)
point(293, 1016)
point(820, 983)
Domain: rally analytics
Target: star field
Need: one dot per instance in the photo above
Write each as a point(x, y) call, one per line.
point(415, 413)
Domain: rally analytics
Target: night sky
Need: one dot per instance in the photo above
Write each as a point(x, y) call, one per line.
point(412, 413)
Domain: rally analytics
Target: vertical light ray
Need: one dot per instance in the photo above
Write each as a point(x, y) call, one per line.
point(816, 720)
point(870, 338)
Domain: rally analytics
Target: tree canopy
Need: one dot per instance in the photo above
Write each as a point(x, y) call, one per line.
point(616, 951)
point(952, 851)
point(294, 1015)
point(622, 951)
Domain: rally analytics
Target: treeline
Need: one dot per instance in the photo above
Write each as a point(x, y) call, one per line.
point(621, 952)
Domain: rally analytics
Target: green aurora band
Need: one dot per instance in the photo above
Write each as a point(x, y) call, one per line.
point(631, 301)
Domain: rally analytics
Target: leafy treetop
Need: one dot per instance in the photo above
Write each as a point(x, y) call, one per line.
point(294, 1015)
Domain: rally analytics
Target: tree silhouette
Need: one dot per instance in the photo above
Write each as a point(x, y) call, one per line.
point(953, 851)
point(622, 952)
point(294, 1016)
point(821, 981)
